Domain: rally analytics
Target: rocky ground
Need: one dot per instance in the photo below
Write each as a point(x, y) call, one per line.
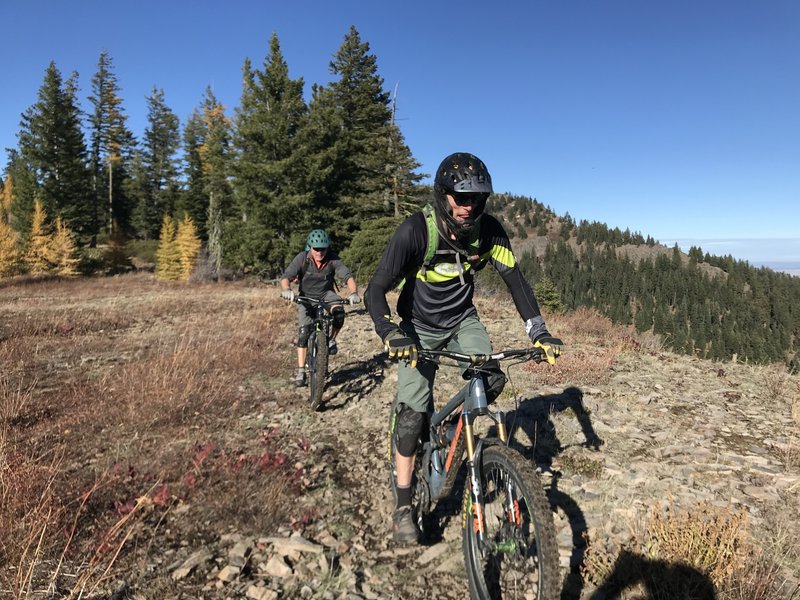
point(658, 429)
point(662, 428)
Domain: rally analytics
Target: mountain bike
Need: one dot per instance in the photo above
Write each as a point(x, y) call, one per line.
point(317, 355)
point(508, 533)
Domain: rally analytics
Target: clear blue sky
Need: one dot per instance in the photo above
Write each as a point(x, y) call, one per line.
point(680, 120)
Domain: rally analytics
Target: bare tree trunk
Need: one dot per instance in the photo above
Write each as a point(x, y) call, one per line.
point(110, 197)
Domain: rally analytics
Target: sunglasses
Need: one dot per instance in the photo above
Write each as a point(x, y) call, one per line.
point(319, 249)
point(472, 199)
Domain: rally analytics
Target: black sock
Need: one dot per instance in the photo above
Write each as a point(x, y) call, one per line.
point(403, 496)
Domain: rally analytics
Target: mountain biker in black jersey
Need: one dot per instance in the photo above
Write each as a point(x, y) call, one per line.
point(436, 306)
point(316, 270)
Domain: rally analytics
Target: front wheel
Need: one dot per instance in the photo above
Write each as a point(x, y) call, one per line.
point(317, 367)
point(519, 558)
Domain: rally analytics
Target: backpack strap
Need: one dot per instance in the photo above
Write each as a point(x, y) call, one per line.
point(432, 249)
point(433, 236)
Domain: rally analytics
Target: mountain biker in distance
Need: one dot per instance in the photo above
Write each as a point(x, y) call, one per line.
point(316, 269)
point(436, 306)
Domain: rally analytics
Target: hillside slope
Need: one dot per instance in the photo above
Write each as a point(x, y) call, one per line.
point(170, 409)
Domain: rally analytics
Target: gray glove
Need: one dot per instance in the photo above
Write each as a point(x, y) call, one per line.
point(288, 295)
point(354, 298)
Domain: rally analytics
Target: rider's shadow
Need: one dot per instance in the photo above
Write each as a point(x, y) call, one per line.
point(533, 419)
point(659, 579)
point(352, 381)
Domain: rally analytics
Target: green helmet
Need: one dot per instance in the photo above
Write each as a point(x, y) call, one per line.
point(318, 239)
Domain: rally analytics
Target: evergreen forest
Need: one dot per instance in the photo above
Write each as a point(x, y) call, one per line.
point(252, 180)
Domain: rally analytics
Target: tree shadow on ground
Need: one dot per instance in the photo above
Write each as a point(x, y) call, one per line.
point(533, 420)
point(352, 381)
point(659, 580)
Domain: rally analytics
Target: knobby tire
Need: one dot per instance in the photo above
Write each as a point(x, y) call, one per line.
point(522, 558)
point(317, 367)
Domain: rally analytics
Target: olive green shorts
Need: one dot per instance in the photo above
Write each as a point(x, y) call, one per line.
point(415, 386)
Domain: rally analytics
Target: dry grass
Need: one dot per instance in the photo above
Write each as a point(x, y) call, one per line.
point(777, 383)
point(796, 404)
point(593, 347)
point(115, 407)
point(699, 552)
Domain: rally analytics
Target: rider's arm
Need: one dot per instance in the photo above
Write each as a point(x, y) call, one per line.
point(351, 285)
point(503, 260)
point(405, 251)
point(292, 271)
point(345, 275)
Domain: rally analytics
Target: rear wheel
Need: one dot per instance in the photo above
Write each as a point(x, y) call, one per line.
point(520, 557)
point(317, 367)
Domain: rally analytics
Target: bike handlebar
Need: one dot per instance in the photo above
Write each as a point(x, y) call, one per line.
point(534, 354)
point(307, 300)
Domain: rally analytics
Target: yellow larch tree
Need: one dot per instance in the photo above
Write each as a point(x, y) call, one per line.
point(38, 257)
point(64, 250)
point(9, 249)
point(188, 246)
point(168, 258)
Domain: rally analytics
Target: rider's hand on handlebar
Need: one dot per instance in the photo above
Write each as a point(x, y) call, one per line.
point(288, 295)
point(400, 346)
point(550, 346)
point(354, 298)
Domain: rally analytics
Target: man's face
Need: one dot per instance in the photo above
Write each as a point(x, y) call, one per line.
point(318, 253)
point(463, 205)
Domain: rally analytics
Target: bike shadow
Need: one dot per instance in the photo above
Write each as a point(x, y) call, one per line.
point(533, 433)
point(353, 380)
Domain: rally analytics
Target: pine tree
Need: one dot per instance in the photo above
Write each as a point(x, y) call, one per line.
point(265, 174)
point(6, 188)
point(63, 250)
point(215, 159)
point(168, 258)
point(193, 201)
point(375, 163)
point(547, 295)
point(53, 150)
point(22, 192)
point(39, 258)
point(159, 157)
point(188, 245)
point(111, 144)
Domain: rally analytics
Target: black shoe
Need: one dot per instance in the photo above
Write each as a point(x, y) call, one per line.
point(404, 529)
point(332, 348)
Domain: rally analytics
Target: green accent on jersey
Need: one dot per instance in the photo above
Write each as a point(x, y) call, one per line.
point(504, 256)
point(433, 245)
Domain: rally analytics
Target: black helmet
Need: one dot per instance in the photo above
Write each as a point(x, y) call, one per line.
point(461, 173)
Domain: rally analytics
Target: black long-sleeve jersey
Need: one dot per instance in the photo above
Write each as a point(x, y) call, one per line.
point(438, 296)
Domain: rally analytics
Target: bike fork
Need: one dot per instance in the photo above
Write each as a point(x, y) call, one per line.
point(476, 489)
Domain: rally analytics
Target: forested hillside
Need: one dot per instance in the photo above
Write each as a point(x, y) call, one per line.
point(711, 306)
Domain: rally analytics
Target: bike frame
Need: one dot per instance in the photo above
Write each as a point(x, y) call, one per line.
point(438, 459)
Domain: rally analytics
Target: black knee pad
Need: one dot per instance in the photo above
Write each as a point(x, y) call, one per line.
point(337, 312)
point(494, 380)
point(407, 430)
point(302, 336)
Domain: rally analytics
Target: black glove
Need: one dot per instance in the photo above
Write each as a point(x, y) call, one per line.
point(551, 347)
point(400, 346)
